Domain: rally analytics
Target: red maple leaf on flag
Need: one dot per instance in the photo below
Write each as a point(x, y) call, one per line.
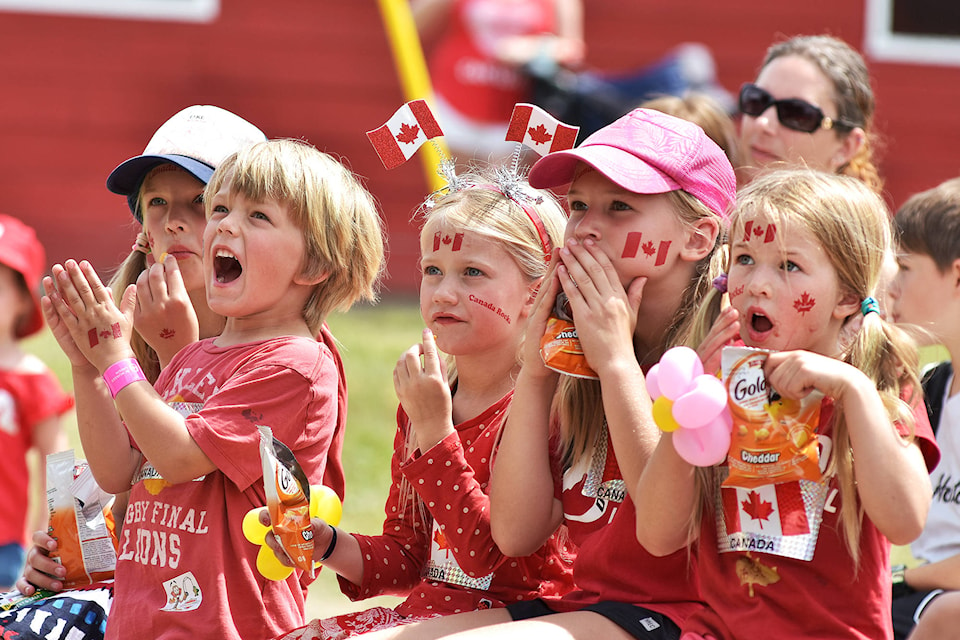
point(804, 303)
point(408, 134)
point(539, 134)
point(756, 508)
point(441, 541)
point(648, 248)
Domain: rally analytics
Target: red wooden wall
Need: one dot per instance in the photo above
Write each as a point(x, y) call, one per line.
point(81, 94)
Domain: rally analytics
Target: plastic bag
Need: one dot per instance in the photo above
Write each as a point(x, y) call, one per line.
point(288, 500)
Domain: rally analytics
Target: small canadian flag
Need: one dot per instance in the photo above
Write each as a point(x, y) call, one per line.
point(398, 139)
point(534, 127)
point(775, 510)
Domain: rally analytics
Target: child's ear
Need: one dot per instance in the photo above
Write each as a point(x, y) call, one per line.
point(700, 238)
point(848, 305)
point(309, 280)
point(532, 290)
point(954, 271)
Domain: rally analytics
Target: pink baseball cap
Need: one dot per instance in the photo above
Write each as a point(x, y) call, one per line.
point(21, 251)
point(648, 151)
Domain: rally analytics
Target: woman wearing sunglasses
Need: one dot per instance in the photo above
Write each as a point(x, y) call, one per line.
point(811, 105)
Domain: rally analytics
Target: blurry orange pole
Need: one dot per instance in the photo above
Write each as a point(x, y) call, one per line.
point(414, 77)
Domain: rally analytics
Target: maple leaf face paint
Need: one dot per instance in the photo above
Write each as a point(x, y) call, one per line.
point(784, 286)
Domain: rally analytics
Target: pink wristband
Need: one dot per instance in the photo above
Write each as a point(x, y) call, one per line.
point(120, 374)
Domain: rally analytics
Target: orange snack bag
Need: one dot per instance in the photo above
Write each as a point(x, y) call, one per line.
point(560, 344)
point(774, 439)
point(288, 500)
point(80, 521)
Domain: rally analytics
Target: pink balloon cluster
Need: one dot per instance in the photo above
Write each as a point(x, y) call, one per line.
point(692, 405)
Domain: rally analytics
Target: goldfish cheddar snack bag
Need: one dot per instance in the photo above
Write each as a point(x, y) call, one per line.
point(288, 500)
point(774, 439)
point(80, 521)
point(560, 345)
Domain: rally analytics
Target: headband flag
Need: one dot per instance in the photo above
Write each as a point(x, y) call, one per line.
point(397, 140)
point(534, 127)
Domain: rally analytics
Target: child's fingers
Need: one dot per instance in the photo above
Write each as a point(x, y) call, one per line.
point(97, 290)
point(173, 278)
point(431, 360)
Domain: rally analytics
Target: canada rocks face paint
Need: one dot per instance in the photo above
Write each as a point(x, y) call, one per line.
point(774, 438)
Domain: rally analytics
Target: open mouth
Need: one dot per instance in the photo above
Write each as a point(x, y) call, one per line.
point(226, 267)
point(760, 323)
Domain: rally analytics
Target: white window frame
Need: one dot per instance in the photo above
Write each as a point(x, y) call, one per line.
point(173, 10)
point(882, 43)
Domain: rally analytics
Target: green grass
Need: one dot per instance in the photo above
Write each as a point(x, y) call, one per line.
point(371, 339)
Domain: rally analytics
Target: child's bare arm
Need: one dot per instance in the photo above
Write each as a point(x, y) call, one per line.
point(892, 479)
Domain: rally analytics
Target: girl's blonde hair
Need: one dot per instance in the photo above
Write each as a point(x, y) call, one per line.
point(481, 207)
point(341, 226)
point(852, 225)
point(853, 94)
point(578, 404)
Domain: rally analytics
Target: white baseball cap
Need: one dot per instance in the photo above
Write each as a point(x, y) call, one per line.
point(196, 139)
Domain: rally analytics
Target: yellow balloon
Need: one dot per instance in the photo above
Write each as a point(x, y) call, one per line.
point(252, 529)
point(663, 414)
point(270, 566)
point(325, 504)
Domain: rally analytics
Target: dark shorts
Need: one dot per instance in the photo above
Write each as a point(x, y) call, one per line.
point(640, 623)
point(907, 609)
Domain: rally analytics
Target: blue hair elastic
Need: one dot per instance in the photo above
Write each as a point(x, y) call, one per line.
point(869, 305)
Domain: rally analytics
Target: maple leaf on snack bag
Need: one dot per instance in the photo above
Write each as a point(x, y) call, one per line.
point(397, 140)
point(534, 127)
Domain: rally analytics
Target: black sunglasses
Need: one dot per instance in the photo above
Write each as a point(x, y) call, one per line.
point(792, 113)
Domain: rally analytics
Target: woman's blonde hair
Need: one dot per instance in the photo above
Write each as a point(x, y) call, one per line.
point(852, 225)
point(578, 404)
point(341, 226)
point(853, 93)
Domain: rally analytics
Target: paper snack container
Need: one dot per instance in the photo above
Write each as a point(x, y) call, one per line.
point(774, 439)
point(560, 345)
point(288, 500)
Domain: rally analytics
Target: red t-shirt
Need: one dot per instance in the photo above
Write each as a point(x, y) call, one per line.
point(462, 66)
point(184, 566)
point(611, 565)
point(450, 563)
point(26, 399)
point(759, 585)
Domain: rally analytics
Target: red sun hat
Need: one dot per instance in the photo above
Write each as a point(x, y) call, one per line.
point(21, 251)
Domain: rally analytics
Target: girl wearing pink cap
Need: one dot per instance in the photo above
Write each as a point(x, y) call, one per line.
point(647, 195)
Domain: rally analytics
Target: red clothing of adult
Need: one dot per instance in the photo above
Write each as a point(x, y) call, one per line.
point(26, 399)
point(185, 567)
point(462, 67)
point(611, 565)
point(444, 564)
point(826, 597)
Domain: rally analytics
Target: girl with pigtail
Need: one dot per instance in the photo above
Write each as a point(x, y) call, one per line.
point(816, 566)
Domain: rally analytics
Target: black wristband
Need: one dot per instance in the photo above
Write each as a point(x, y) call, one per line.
point(331, 546)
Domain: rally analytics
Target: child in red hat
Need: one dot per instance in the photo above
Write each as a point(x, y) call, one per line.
point(32, 402)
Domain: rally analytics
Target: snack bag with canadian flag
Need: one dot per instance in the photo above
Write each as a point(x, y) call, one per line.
point(80, 521)
point(288, 500)
point(774, 439)
point(560, 345)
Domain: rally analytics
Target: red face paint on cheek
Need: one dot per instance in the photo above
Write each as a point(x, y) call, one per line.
point(649, 249)
point(492, 307)
point(804, 303)
point(736, 292)
point(632, 244)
